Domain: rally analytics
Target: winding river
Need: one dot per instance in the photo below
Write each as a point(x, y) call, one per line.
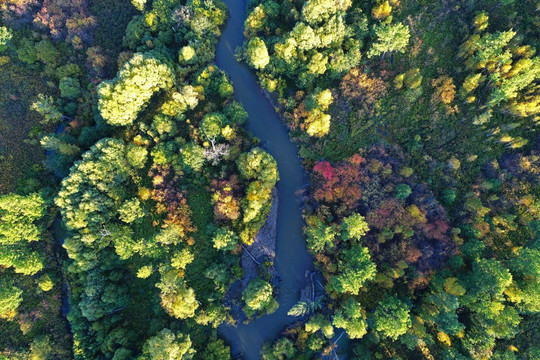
point(292, 259)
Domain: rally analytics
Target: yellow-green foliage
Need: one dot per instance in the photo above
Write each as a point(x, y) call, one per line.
point(121, 99)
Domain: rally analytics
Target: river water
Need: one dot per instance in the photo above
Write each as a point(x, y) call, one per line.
point(292, 259)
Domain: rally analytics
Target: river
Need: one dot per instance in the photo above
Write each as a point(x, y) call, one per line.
point(292, 259)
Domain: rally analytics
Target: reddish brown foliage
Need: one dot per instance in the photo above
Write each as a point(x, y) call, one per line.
point(339, 184)
point(170, 199)
point(360, 89)
point(67, 19)
point(411, 230)
point(96, 61)
point(227, 195)
point(64, 19)
point(390, 214)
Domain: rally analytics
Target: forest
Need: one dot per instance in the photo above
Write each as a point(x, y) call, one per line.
point(139, 210)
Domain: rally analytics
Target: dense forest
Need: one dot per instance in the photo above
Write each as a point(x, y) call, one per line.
point(132, 194)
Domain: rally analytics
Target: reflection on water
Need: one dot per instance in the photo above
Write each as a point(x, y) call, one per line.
point(292, 258)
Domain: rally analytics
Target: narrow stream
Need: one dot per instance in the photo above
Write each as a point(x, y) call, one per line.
point(292, 258)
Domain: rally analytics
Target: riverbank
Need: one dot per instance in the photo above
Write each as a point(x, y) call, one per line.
point(264, 245)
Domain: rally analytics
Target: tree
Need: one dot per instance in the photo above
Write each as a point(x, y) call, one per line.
point(54, 142)
point(187, 55)
point(303, 308)
point(257, 53)
point(526, 267)
point(217, 350)
point(177, 299)
point(403, 191)
point(354, 227)
point(22, 258)
point(167, 345)
point(354, 270)
point(70, 88)
point(282, 349)
point(45, 107)
point(121, 99)
point(193, 156)
point(139, 4)
point(216, 152)
point(316, 11)
point(225, 239)
point(392, 37)
point(131, 211)
point(318, 123)
point(382, 11)
point(319, 236)
point(391, 318)
point(446, 317)
point(304, 36)
point(509, 69)
point(10, 298)
point(488, 280)
point(351, 318)
point(258, 164)
point(258, 297)
point(5, 37)
point(18, 215)
point(89, 195)
point(320, 322)
point(212, 124)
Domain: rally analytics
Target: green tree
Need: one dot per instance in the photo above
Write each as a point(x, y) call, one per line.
point(225, 239)
point(139, 4)
point(47, 109)
point(70, 88)
point(10, 298)
point(131, 211)
point(281, 350)
point(47, 53)
point(258, 297)
point(193, 156)
point(211, 125)
point(90, 195)
point(403, 191)
point(177, 299)
point(319, 236)
point(18, 217)
point(446, 316)
point(22, 258)
point(487, 281)
point(5, 37)
point(305, 307)
point(54, 142)
point(167, 345)
point(316, 11)
point(354, 227)
point(305, 37)
point(354, 269)
point(391, 318)
point(320, 322)
point(526, 267)
point(390, 37)
point(257, 53)
point(258, 164)
point(217, 350)
point(351, 318)
point(121, 99)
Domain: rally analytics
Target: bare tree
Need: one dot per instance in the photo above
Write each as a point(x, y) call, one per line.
point(216, 152)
